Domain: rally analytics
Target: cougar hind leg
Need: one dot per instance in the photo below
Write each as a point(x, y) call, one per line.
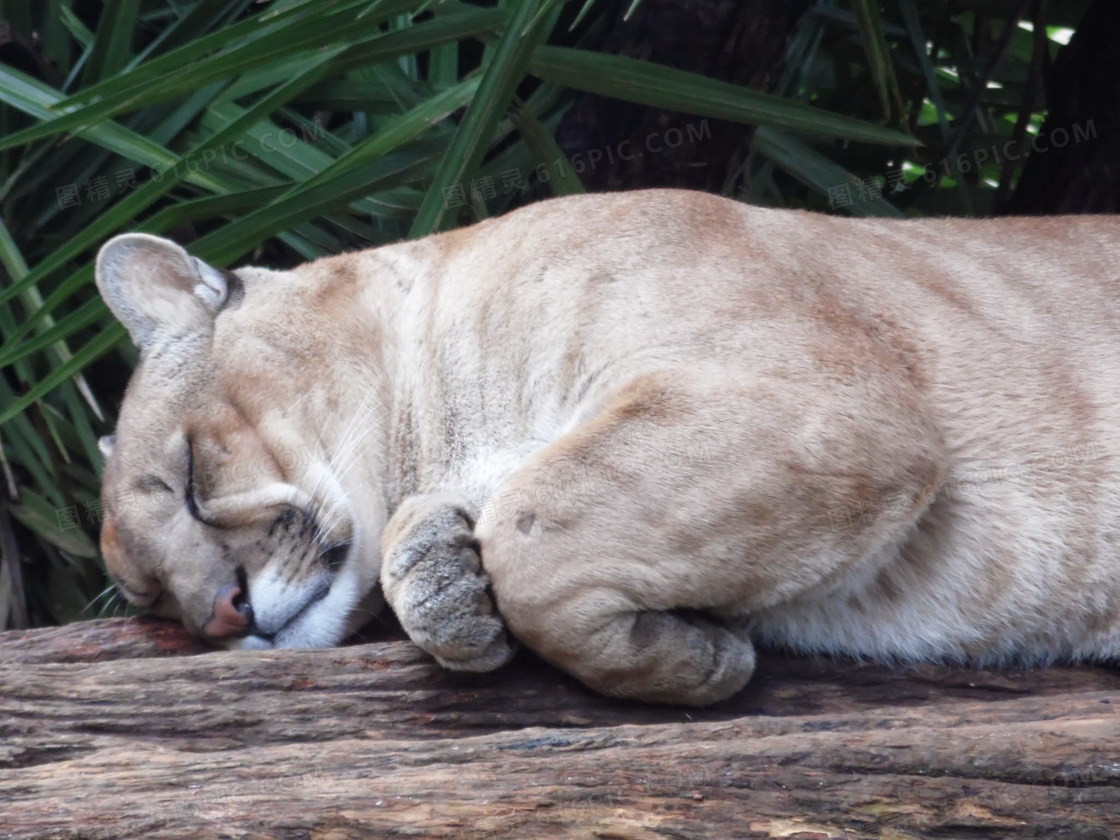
point(615, 549)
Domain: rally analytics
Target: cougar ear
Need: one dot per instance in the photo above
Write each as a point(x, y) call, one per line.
point(153, 285)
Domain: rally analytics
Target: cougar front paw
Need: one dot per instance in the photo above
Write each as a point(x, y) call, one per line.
point(433, 579)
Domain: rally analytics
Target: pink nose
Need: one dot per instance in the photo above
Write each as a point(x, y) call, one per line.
point(232, 615)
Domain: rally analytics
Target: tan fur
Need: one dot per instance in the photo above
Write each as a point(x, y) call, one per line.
point(667, 422)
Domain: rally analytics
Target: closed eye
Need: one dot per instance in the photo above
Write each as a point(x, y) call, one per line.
point(334, 555)
point(155, 484)
point(191, 498)
point(192, 507)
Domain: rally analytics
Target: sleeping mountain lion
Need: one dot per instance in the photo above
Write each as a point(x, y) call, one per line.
point(642, 431)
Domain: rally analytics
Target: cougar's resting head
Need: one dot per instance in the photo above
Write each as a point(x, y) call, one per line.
point(214, 484)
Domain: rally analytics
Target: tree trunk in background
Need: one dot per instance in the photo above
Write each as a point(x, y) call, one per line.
point(618, 145)
point(1079, 169)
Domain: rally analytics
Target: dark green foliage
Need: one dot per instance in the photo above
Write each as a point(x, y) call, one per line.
point(286, 130)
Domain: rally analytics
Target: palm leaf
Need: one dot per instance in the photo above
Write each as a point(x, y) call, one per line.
point(678, 90)
point(505, 68)
point(383, 106)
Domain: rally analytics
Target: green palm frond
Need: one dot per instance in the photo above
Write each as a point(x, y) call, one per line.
point(292, 129)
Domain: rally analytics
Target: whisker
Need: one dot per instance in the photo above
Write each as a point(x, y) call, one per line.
point(108, 603)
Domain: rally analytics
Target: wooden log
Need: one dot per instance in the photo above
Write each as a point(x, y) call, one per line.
point(126, 728)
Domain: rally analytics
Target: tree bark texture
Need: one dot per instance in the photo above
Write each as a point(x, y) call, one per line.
point(619, 145)
point(1076, 165)
point(128, 728)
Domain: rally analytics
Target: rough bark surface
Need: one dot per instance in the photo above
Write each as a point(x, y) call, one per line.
point(1077, 167)
point(127, 728)
point(617, 145)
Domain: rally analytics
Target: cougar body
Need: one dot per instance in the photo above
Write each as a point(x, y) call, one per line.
point(655, 426)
